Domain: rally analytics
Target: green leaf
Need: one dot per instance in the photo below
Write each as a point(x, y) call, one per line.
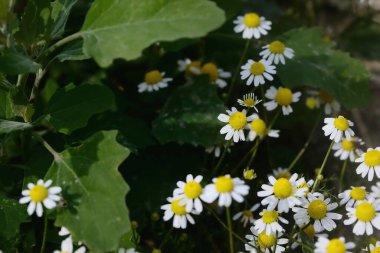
point(7, 126)
point(6, 107)
point(14, 62)
point(72, 52)
point(71, 107)
point(316, 64)
point(190, 115)
point(12, 214)
point(122, 29)
point(94, 190)
point(60, 11)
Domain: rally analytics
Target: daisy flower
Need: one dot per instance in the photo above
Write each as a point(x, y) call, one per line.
point(67, 247)
point(312, 103)
point(336, 245)
point(257, 72)
point(189, 67)
point(131, 250)
point(375, 191)
point(281, 173)
point(249, 100)
point(366, 214)
point(225, 188)
point(237, 121)
point(40, 194)
point(317, 208)
point(246, 216)
point(369, 163)
point(249, 174)
point(189, 193)
point(258, 128)
point(351, 196)
point(283, 97)
point(215, 74)
point(282, 192)
point(337, 127)
point(374, 248)
point(330, 103)
point(306, 185)
point(276, 52)
point(252, 25)
point(269, 222)
point(178, 212)
point(266, 243)
point(153, 81)
point(347, 148)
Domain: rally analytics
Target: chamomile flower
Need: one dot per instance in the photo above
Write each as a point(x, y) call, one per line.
point(307, 185)
point(252, 25)
point(216, 75)
point(374, 248)
point(352, 196)
point(225, 188)
point(283, 97)
point(189, 193)
point(369, 163)
point(330, 103)
point(237, 121)
point(281, 173)
point(249, 100)
point(153, 81)
point(282, 192)
point(189, 67)
point(336, 245)
point(246, 216)
point(347, 149)
point(39, 195)
point(178, 212)
point(131, 250)
point(257, 72)
point(337, 128)
point(366, 214)
point(375, 191)
point(258, 128)
point(276, 52)
point(269, 222)
point(317, 208)
point(312, 103)
point(249, 174)
point(67, 247)
point(266, 243)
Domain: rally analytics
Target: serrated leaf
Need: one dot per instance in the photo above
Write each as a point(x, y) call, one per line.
point(12, 214)
point(316, 64)
point(71, 107)
point(14, 62)
point(7, 126)
point(94, 190)
point(122, 29)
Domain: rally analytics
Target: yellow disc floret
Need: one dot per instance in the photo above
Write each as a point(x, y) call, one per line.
point(238, 120)
point(317, 209)
point(336, 246)
point(348, 144)
point(306, 186)
point(309, 231)
point(249, 174)
point(372, 158)
point(257, 68)
point(284, 96)
point(358, 193)
point(266, 241)
point(277, 47)
point(247, 213)
point(38, 193)
point(259, 127)
point(311, 103)
point(193, 189)
point(365, 212)
point(341, 123)
point(283, 188)
point(211, 70)
point(177, 208)
point(153, 77)
point(249, 102)
point(224, 184)
point(252, 20)
point(376, 250)
point(270, 216)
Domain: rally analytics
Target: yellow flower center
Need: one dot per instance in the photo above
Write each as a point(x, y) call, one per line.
point(177, 208)
point(249, 174)
point(64, 251)
point(249, 102)
point(38, 193)
point(259, 126)
point(348, 144)
point(358, 193)
point(317, 209)
point(311, 103)
point(306, 186)
point(238, 120)
point(284, 96)
point(372, 158)
point(153, 77)
point(283, 188)
point(191, 65)
point(365, 212)
point(309, 231)
point(212, 70)
point(257, 68)
point(224, 184)
point(277, 47)
point(252, 20)
point(327, 98)
point(336, 246)
point(266, 241)
point(247, 213)
point(193, 189)
point(270, 216)
point(376, 250)
point(341, 123)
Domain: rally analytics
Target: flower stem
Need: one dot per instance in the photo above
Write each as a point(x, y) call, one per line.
point(44, 234)
point(342, 172)
point(318, 177)
point(221, 158)
point(229, 223)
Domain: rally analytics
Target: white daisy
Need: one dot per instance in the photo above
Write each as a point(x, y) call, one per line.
point(67, 247)
point(374, 248)
point(131, 250)
point(276, 52)
point(225, 188)
point(282, 192)
point(154, 80)
point(269, 222)
point(347, 148)
point(375, 192)
point(351, 196)
point(281, 173)
point(336, 245)
point(189, 67)
point(189, 193)
point(252, 25)
point(246, 216)
point(249, 100)
point(257, 72)
point(283, 97)
point(40, 194)
point(215, 74)
point(338, 127)
point(178, 212)
point(369, 163)
point(317, 208)
point(266, 243)
point(322, 97)
point(258, 128)
point(237, 121)
point(366, 214)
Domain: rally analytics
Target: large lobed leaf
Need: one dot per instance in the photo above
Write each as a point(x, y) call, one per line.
point(94, 190)
point(122, 29)
point(12, 214)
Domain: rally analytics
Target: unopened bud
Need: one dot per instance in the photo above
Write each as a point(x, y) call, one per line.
point(249, 174)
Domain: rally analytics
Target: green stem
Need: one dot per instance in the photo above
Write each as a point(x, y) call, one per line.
point(63, 41)
point(40, 73)
point(48, 147)
point(318, 177)
point(44, 234)
point(215, 170)
point(254, 151)
point(229, 223)
point(342, 172)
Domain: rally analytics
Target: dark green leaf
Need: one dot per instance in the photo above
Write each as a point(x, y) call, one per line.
point(6, 107)
point(7, 126)
point(14, 62)
point(12, 214)
point(72, 52)
point(60, 11)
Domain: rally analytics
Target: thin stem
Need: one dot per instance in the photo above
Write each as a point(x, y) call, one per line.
point(48, 147)
point(229, 223)
point(40, 73)
point(254, 151)
point(342, 172)
point(245, 157)
point(44, 234)
point(221, 158)
point(318, 177)
point(63, 41)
